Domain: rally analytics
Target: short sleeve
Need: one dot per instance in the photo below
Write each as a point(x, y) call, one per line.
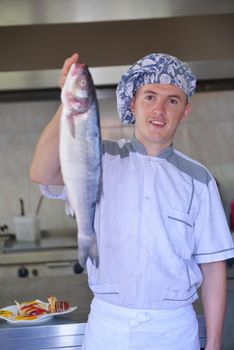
point(213, 241)
point(54, 191)
point(57, 192)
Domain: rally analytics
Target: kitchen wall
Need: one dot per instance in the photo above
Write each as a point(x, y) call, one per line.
point(207, 135)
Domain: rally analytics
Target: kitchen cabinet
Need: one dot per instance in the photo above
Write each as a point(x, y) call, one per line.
point(55, 254)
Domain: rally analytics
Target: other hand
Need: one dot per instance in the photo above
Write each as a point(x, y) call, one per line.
point(66, 66)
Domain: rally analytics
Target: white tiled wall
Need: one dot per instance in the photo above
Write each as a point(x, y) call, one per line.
point(20, 126)
point(207, 135)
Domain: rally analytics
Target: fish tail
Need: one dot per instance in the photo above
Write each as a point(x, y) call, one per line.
point(87, 248)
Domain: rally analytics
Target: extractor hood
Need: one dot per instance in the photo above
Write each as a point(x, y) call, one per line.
point(36, 37)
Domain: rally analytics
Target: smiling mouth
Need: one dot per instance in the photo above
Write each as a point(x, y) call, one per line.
point(157, 123)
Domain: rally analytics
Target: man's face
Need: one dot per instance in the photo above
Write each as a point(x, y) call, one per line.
point(158, 110)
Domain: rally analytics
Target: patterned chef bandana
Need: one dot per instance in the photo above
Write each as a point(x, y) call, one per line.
point(153, 68)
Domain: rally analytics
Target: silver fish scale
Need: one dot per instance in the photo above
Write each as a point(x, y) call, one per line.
point(80, 157)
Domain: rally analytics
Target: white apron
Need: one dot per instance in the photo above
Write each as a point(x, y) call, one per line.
point(117, 328)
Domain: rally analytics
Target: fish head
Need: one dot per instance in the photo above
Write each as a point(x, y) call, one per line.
point(77, 93)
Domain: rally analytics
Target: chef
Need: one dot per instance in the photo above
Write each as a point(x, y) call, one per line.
point(160, 225)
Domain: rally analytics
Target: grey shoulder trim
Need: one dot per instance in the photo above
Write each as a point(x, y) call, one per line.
point(114, 148)
point(216, 252)
point(190, 167)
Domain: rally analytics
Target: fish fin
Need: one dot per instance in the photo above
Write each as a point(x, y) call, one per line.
point(71, 125)
point(71, 121)
point(100, 193)
point(100, 189)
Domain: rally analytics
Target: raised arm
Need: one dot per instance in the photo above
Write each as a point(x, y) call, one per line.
point(45, 166)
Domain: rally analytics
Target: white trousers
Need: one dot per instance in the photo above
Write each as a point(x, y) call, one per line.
point(116, 328)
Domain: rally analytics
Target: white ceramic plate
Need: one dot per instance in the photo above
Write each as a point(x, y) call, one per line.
point(38, 320)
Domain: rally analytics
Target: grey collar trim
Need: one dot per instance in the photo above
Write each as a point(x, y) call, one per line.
point(138, 147)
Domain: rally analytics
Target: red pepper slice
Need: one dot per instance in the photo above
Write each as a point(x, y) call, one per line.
point(32, 310)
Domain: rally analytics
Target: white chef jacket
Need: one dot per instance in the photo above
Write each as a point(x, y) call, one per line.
point(158, 219)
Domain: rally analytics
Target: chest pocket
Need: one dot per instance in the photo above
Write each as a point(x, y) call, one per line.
point(181, 231)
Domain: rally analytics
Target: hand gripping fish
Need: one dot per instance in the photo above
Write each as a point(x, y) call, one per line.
point(80, 155)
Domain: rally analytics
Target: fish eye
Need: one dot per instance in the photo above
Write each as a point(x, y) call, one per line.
point(83, 82)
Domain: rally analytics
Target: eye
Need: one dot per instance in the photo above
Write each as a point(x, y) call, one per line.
point(173, 101)
point(149, 97)
point(83, 83)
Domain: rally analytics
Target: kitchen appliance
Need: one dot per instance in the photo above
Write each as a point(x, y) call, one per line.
point(55, 254)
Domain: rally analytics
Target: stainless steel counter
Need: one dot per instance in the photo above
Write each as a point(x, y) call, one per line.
point(49, 241)
point(58, 334)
